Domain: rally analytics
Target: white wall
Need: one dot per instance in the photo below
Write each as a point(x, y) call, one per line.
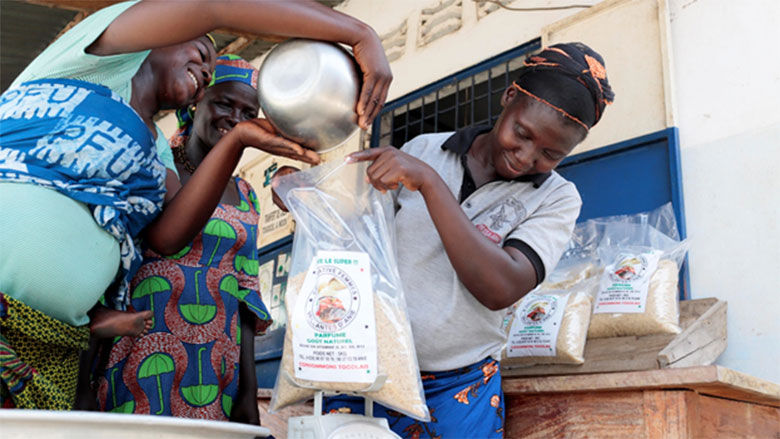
point(726, 73)
point(727, 78)
point(475, 41)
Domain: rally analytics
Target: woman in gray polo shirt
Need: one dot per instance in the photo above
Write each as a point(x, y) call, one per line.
point(481, 218)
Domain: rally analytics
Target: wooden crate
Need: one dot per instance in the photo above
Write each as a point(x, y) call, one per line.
point(702, 340)
point(693, 402)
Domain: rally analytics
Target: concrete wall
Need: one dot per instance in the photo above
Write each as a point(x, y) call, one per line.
point(727, 80)
point(467, 33)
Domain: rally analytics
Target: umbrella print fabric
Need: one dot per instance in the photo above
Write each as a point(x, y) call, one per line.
point(216, 229)
point(148, 288)
point(187, 366)
point(154, 366)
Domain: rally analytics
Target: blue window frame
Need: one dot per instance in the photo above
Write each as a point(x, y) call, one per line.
point(636, 175)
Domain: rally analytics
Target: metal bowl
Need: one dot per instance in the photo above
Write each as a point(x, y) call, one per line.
point(308, 90)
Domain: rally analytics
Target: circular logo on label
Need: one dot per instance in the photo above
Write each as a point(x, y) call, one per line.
point(333, 302)
point(628, 267)
point(539, 309)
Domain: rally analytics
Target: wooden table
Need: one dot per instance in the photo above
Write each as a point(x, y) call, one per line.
point(694, 402)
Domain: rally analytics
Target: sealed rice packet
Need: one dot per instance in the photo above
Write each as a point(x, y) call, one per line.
point(347, 328)
point(638, 290)
point(550, 324)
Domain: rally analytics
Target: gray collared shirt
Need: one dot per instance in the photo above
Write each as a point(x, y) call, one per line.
point(451, 328)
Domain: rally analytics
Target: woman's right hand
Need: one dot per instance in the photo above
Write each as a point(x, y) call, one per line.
point(281, 172)
point(260, 134)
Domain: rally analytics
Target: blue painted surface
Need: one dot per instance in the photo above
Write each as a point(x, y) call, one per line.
point(268, 355)
point(268, 347)
point(633, 176)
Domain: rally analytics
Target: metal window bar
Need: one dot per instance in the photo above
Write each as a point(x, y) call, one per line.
point(473, 99)
point(436, 115)
point(422, 114)
point(397, 131)
point(406, 125)
point(457, 103)
point(490, 95)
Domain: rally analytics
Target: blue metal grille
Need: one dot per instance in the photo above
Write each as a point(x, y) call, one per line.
point(469, 97)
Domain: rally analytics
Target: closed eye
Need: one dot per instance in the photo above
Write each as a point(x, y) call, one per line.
point(521, 133)
point(203, 53)
point(552, 155)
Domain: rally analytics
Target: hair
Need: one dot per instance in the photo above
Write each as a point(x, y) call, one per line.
point(570, 78)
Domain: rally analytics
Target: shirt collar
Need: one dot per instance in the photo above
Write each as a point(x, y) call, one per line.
point(462, 139)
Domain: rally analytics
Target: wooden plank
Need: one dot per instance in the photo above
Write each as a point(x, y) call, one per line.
point(602, 355)
point(236, 45)
point(615, 415)
point(76, 5)
point(690, 310)
point(710, 380)
point(708, 331)
point(619, 354)
point(76, 20)
point(703, 356)
point(723, 418)
point(665, 413)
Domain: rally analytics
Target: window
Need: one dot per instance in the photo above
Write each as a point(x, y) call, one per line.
point(469, 97)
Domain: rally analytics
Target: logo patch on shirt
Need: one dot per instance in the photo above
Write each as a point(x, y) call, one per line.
point(491, 235)
point(501, 218)
point(508, 211)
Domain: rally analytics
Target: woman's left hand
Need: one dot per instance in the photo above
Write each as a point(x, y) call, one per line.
point(392, 167)
point(260, 134)
point(370, 55)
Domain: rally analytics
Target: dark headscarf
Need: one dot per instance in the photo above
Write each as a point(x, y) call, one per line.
point(570, 78)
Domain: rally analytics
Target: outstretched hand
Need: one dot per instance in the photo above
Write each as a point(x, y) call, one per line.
point(284, 170)
point(260, 134)
point(393, 167)
point(370, 55)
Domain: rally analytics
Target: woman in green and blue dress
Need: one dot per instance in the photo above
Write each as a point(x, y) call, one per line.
point(197, 360)
point(83, 167)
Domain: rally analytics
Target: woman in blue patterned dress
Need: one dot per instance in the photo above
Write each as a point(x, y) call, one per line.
point(197, 361)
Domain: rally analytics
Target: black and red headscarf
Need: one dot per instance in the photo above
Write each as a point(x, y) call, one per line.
point(570, 78)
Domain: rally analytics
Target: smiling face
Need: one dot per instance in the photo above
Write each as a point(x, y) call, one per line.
point(184, 71)
point(530, 137)
point(223, 106)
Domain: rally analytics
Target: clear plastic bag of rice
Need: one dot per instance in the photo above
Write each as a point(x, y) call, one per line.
point(550, 323)
point(638, 289)
point(347, 328)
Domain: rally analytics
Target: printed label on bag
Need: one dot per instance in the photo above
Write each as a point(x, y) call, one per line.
point(535, 328)
point(625, 282)
point(334, 332)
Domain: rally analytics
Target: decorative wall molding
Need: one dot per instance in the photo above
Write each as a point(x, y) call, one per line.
point(440, 20)
point(394, 42)
point(485, 8)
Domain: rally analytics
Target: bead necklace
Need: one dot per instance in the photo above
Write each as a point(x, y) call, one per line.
point(181, 157)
